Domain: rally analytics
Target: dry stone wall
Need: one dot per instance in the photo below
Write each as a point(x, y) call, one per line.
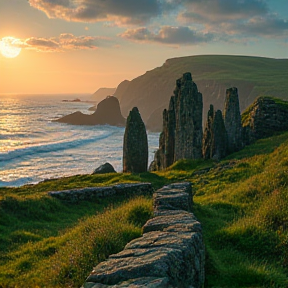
point(169, 254)
point(91, 193)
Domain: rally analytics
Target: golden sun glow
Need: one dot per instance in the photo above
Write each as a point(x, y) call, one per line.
point(9, 48)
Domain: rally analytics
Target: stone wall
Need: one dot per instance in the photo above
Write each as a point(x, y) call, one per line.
point(169, 254)
point(91, 193)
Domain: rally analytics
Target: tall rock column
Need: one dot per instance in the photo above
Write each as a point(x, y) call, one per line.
point(135, 146)
point(232, 120)
point(215, 136)
point(188, 118)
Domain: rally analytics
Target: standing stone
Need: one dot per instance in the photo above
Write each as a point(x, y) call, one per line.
point(232, 120)
point(219, 143)
point(135, 147)
point(170, 134)
point(215, 136)
point(188, 116)
point(207, 136)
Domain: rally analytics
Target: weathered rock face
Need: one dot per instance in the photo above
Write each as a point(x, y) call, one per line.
point(169, 254)
point(107, 112)
point(215, 136)
point(105, 168)
point(264, 117)
point(232, 120)
point(181, 137)
point(188, 116)
point(135, 146)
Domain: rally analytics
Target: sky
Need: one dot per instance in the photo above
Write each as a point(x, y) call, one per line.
point(78, 46)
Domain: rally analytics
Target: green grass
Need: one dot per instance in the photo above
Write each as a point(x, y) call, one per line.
point(241, 201)
point(39, 257)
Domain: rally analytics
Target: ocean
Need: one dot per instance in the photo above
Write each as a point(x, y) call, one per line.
point(33, 148)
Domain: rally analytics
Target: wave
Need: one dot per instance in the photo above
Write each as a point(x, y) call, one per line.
point(51, 147)
point(18, 182)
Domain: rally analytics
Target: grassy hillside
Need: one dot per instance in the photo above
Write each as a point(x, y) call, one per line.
point(242, 203)
point(253, 76)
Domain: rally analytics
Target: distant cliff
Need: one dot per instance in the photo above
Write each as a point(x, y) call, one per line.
point(253, 76)
point(102, 93)
point(107, 112)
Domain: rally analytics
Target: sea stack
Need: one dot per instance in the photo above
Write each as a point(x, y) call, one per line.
point(135, 146)
point(108, 112)
point(232, 120)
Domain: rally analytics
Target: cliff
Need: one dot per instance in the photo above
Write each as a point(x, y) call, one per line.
point(107, 112)
point(102, 93)
point(151, 91)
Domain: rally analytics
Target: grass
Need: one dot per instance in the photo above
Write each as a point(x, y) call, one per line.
point(241, 201)
point(65, 259)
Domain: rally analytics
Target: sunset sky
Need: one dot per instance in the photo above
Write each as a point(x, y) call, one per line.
point(78, 46)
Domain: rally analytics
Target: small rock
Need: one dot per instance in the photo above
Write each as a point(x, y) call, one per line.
point(105, 168)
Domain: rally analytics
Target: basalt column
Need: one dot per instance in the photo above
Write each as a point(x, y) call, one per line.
point(188, 119)
point(135, 147)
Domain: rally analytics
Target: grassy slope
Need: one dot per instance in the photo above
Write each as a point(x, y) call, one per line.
point(242, 203)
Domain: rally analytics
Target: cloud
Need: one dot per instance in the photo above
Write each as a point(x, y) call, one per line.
point(269, 26)
point(121, 12)
point(168, 35)
point(64, 42)
point(219, 11)
point(242, 18)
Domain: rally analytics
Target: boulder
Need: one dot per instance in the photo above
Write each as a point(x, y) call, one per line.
point(107, 112)
point(135, 146)
point(105, 168)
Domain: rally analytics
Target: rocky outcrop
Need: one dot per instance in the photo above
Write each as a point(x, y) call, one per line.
point(263, 118)
point(181, 137)
point(215, 140)
point(232, 120)
point(105, 168)
point(107, 112)
point(169, 254)
point(92, 193)
point(135, 146)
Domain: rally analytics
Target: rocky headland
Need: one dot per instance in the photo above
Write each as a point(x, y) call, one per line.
point(107, 112)
point(182, 138)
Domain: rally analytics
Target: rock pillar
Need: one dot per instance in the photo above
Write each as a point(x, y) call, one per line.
point(232, 120)
point(188, 119)
point(135, 147)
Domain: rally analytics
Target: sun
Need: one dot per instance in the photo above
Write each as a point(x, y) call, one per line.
point(8, 47)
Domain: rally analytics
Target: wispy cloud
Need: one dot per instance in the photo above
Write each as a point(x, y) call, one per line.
point(64, 42)
point(168, 35)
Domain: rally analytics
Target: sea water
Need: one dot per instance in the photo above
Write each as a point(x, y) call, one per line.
point(34, 148)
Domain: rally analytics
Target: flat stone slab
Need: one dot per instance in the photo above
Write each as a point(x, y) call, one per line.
point(174, 196)
point(147, 282)
point(182, 219)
